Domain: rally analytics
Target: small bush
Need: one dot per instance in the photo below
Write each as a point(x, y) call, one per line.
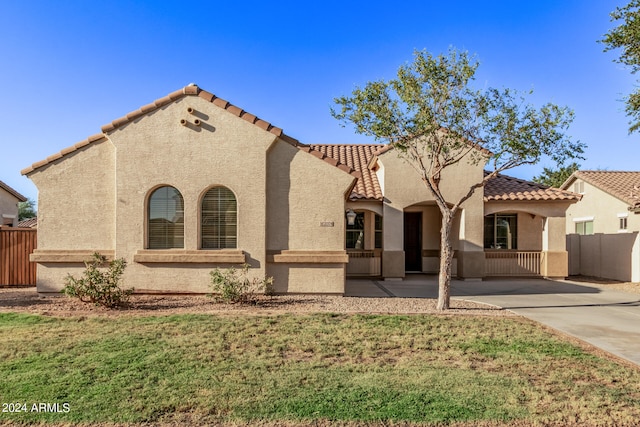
point(99, 287)
point(232, 286)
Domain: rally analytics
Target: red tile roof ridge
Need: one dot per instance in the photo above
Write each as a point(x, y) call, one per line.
point(13, 192)
point(356, 157)
point(192, 90)
point(505, 187)
point(66, 151)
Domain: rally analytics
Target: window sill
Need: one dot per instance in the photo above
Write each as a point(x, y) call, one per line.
point(178, 256)
point(309, 257)
point(67, 256)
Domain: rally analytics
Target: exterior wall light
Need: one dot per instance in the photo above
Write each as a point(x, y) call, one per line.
point(351, 217)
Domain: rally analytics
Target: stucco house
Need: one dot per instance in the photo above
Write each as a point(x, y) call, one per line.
point(603, 227)
point(191, 182)
point(9, 199)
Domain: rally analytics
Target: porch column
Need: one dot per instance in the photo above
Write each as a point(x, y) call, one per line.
point(393, 243)
point(471, 252)
point(555, 259)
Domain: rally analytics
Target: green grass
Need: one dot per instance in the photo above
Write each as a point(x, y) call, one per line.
point(298, 368)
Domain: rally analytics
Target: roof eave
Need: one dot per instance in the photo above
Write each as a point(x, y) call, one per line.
point(190, 90)
point(13, 192)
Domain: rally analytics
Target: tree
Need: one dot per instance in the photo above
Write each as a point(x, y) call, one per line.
point(627, 37)
point(434, 119)
point(26, 210)
point(556, 177)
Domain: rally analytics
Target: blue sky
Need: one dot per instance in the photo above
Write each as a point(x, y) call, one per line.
point(69, 67)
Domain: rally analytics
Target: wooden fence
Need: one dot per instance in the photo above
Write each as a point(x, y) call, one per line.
point(16, 244)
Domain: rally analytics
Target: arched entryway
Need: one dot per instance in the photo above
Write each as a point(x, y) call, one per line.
point(363, 241)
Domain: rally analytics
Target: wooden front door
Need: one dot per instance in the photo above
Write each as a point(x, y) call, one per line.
point(413, 241)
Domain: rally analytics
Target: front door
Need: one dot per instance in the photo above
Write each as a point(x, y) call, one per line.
point(413, 241)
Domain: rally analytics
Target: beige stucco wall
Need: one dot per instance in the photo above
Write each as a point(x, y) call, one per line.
point(76, 209)
point(604, 208)
point(541, 227)
point(306, 215)
point(96, 199)
point(157, 150)
point(610, 253)
point(610, 256)
point(8, 207)
point(404, 191)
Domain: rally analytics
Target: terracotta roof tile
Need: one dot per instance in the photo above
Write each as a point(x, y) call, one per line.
point(504, 187)
point(356, 157)
point(28, 223)
point(13, 192)
point(62, 153)
point(188, 91)
point(624, 185)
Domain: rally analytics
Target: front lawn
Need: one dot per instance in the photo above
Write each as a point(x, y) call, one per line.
point(356, 369)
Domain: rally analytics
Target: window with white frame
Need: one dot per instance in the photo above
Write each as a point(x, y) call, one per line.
point(622, 222)
point(578, 187)
point(584, 227)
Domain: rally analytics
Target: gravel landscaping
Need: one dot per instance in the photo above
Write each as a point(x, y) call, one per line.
point(26, 300)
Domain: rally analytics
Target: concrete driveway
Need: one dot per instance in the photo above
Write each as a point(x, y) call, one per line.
point(603, 317)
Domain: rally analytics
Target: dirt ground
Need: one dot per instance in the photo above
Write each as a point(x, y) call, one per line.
point(27, 300)
point(631, 287)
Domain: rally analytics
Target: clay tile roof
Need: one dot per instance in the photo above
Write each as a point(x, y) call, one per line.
point(504, 187)
point(13, 192)
point(190, 90)
point(356, 157)
point(624, 185)
point(28, 223)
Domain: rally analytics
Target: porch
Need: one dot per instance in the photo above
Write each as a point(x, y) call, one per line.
point(498, 263)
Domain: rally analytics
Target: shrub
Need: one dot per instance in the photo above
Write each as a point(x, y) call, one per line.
point(233, 286)
point(99, 287)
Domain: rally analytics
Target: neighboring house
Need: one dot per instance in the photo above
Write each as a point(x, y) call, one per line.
point(9, 199)
point(191, 182)
point(28, 223)
point(603, 227)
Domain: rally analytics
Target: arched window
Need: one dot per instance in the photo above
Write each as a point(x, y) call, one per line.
point(166, 219)
point(219, 219)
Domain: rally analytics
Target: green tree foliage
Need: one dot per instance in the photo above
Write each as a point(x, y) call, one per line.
point(434, 119)
point(27, 210)
point(626, 36)
point(556, 177)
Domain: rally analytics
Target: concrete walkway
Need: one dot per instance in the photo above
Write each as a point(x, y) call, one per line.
point(606, 318)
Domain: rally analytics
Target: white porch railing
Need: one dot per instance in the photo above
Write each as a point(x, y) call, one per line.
point(513, 263)
point(364, 263)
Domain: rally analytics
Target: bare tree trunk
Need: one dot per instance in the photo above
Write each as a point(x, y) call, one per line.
point(446, 261)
